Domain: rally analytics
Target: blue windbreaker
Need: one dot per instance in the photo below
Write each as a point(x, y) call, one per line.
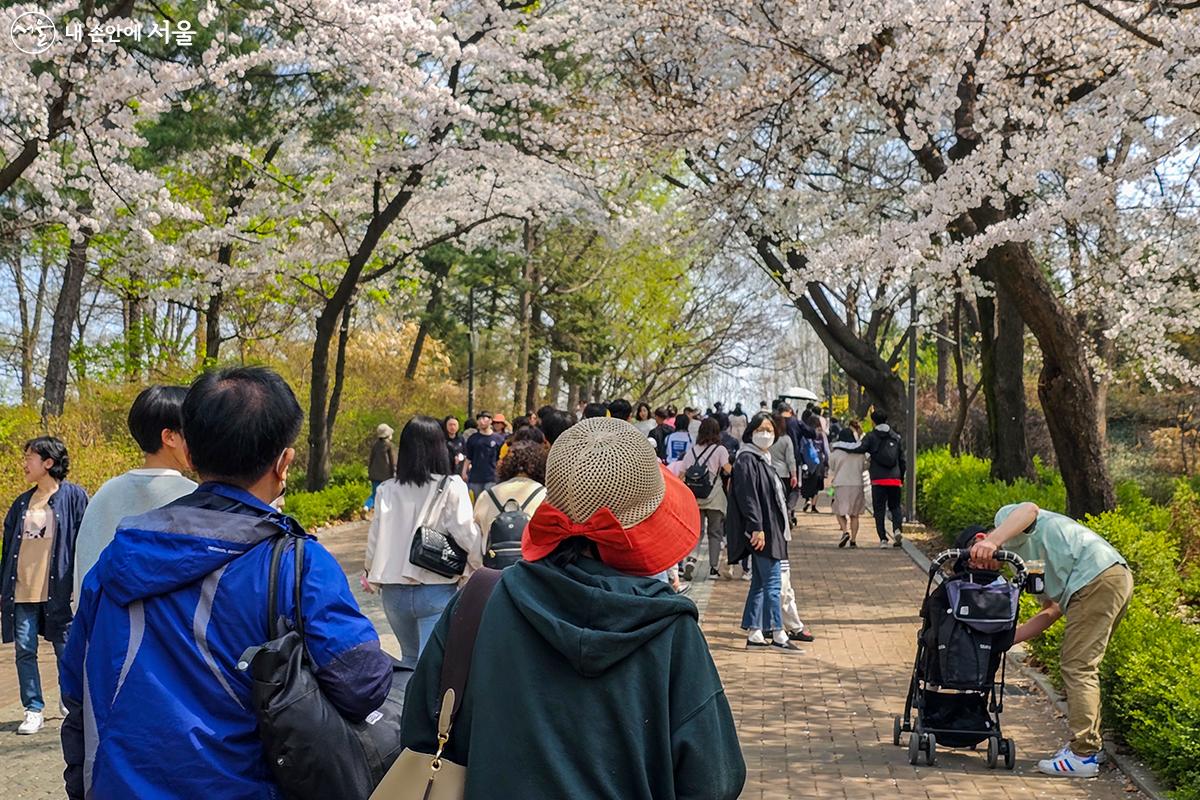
point(157, 706)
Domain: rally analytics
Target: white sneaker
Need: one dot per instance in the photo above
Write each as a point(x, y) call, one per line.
point(33, 722)
point(883, 544)
point(1066, 764)
point(746, 575)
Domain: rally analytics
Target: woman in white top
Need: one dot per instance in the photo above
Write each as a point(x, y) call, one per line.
point(422, 493)
point(708, 451)
point(679, 441)
point(846, 472)
point(643, 418)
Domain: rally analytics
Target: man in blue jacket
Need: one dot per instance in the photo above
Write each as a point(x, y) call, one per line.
point(157, 706)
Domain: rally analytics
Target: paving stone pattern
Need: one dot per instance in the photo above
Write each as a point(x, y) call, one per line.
point(814, 725)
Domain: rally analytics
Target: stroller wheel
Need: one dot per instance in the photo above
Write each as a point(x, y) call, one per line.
point(914, 747)
point(1010, 754)
point(993, 752)
point(930, 750)
point(896, 731)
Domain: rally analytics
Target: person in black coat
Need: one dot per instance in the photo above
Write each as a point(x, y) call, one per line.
point(887, 468)
point(756, 524)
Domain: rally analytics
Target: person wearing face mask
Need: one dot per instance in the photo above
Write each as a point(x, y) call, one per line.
point(756, 524)
point(151, 666)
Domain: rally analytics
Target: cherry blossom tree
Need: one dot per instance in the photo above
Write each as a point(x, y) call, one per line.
point(945, 144)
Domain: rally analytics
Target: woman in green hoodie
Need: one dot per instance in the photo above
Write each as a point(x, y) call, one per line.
point(590, 677)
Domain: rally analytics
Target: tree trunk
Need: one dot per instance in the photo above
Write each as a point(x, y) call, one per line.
point(441, 268)
point(1066, 386)
point(859, 358)
point(574, 391)
point(528, 279)
point(554, 381)
point(943, 361)
point(66, 310)
point(212, 326)
point(536, 335)
point(1002, 371)
point(135, 334)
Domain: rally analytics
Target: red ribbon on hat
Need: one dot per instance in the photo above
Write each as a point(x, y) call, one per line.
point(549, 527)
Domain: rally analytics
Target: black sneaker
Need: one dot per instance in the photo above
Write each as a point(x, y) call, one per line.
point(897, 537)
point(712, 573)
point(845, 540)
point(854, 545)
point(788, 647)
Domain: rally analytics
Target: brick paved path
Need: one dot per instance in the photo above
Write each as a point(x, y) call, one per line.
point(815, 725)
point(819, 725)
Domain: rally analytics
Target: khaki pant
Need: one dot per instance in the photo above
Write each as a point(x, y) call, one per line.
point(1093, 613)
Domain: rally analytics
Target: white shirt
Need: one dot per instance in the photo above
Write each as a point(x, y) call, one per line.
point(400, 508)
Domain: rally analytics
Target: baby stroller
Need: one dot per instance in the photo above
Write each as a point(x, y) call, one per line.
point(969, 624)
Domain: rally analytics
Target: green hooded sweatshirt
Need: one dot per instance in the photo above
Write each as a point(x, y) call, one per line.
point(585, 683)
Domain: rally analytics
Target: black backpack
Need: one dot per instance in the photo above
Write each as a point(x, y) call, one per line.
point(887, 452)
point(503, 545)
point(697, 477)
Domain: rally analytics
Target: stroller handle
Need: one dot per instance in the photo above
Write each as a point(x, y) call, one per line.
point(1001, 555)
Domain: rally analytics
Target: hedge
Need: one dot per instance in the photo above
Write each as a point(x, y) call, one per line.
point(336, 502)
point(1150, 677)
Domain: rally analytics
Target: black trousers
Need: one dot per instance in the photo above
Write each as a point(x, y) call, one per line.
point(883, 500)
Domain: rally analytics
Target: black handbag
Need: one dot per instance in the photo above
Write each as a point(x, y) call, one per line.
point(313, 752)
point(436, 550)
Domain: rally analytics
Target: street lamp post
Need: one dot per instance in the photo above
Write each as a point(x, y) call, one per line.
point(910, 480)
point(471, 338)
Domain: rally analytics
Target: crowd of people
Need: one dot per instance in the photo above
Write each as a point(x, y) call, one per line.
point(151, 592)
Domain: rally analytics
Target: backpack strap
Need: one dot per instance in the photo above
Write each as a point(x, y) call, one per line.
point(275, 626)
point(532, 495)
point(495, 500)
point(460, 642)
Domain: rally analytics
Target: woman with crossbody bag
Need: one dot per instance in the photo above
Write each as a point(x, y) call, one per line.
point(422, 497)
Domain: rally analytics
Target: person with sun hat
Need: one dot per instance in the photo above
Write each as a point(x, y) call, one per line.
point(590, 676)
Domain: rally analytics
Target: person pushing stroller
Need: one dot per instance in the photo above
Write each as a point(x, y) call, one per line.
point(1087, 581)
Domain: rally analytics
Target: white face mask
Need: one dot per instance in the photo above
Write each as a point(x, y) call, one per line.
point(763, 439)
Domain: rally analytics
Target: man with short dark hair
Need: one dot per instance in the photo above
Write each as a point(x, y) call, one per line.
point(592, 410)
point(620, 409)
point(483, 451)
point(887, 471)
point(157, 704)
point(156, 423)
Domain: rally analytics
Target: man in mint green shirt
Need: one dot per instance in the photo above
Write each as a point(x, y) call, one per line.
point(1089, 582)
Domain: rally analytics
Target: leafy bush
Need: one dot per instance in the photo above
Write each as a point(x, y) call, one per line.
point(331, 504)
point(956, 492)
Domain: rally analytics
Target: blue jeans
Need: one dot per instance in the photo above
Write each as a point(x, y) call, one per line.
point(25, 632)
point(762, 603)
point(371, 497)
point(412, 611)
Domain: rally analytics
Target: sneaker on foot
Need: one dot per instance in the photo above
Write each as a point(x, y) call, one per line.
point(34, 721)
point(845, 540)
point(884, 543)
point(896, 538)
point(853, 543)
point(1066, 763)
point(712, 573)
point(689, 569)
point(746, 575)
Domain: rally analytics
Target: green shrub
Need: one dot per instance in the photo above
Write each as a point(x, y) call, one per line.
point(331, 504)
point(1134, 503)
point(957, 492)
point(1151, 684)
